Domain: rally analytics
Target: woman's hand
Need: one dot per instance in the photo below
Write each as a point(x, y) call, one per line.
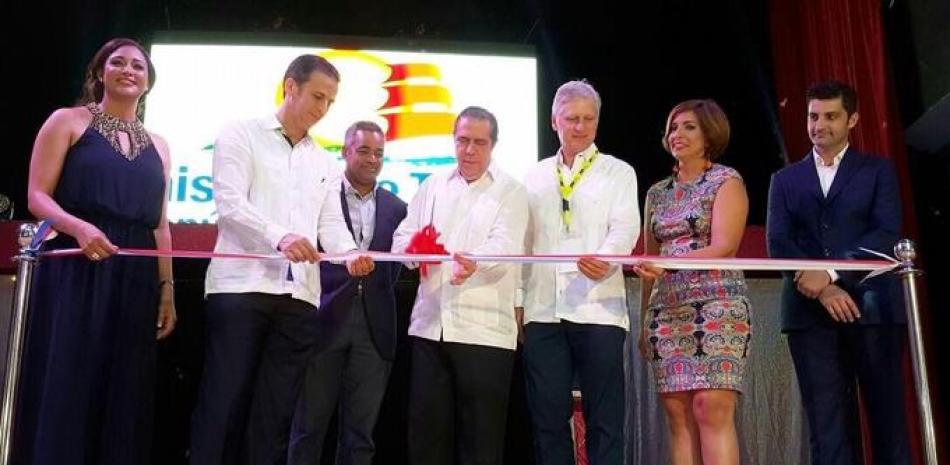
point(167, 316)
point(648, 270)
point(94, 244)
point(643, 343)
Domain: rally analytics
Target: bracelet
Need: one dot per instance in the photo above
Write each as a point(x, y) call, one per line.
point(162, 283)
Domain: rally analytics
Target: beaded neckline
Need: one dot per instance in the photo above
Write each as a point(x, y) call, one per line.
point(110, 127)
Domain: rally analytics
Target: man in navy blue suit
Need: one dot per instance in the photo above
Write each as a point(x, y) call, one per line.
point(356, 318)
point(842, 332)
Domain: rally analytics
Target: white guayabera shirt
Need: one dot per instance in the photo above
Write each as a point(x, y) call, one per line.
point(605, 219)
point(488, 216)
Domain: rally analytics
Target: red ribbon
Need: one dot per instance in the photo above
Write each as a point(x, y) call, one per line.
point(425, 241)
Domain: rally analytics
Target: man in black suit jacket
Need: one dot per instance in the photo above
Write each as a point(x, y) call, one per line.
point(356, 319)
point(840, 329)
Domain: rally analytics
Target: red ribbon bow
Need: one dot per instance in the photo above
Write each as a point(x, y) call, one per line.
point(424, 241)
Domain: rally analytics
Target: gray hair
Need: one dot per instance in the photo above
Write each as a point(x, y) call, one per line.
point(367, 126)
point(572, 90)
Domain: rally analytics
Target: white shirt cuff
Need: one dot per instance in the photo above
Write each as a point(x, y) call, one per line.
point(274, 233)
point(833, 274)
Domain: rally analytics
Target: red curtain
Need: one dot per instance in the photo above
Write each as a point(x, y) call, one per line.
point(832, 39)
point(816, 40)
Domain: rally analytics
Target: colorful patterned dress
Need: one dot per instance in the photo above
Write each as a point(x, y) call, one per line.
point(699, 327)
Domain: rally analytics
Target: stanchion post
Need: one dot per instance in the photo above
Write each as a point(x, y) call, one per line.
point(906, 252)
point(26, 260)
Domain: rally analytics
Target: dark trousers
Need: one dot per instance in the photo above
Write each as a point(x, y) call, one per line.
point(830, 361)
point(553, 354)
point(458, 403)
point(349, 373)
point(256, 350)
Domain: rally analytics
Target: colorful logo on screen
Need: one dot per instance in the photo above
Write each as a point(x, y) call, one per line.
point(410, 102)
point(417, 104)
point(407, 99)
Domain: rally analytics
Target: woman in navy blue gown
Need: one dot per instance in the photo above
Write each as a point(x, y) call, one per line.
point(89, 366)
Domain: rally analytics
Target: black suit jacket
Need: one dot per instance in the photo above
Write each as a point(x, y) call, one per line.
point(862, 209)
point(338, 288)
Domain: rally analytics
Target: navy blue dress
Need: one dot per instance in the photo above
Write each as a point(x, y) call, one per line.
point(86, 394)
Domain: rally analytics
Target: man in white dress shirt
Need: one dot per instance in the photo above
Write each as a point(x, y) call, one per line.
point(462, 327)
point(575, 315)
point(270, 190)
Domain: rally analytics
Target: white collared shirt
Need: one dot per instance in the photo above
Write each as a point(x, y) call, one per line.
point(263, 190)
point(568, 172)
point(362, 210)
point(826, 173)
point(826, 176)
point(487, 216)
point(605, 214)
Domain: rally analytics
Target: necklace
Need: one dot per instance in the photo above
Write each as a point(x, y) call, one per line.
point(707, 165)
point(110, 127)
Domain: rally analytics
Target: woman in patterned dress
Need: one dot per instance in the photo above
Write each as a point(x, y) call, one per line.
point(696, 327)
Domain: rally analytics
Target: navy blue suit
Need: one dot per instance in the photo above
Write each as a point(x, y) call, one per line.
point(862, 209)
point(356, 343)
point(339, 289)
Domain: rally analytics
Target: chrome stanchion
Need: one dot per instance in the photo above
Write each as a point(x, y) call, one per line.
point(906, 252)
point(26, 260)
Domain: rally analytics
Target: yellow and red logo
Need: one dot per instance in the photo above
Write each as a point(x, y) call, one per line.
point(407, 100)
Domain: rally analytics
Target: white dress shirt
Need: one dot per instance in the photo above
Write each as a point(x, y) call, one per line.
point(826, 173)
point(263, 190)
point(605, 220)
point(487, 216)
point(362, 210)
point(826, 176)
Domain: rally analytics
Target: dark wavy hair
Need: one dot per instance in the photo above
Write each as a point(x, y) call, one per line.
point(830, 90)
point(92, 88)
